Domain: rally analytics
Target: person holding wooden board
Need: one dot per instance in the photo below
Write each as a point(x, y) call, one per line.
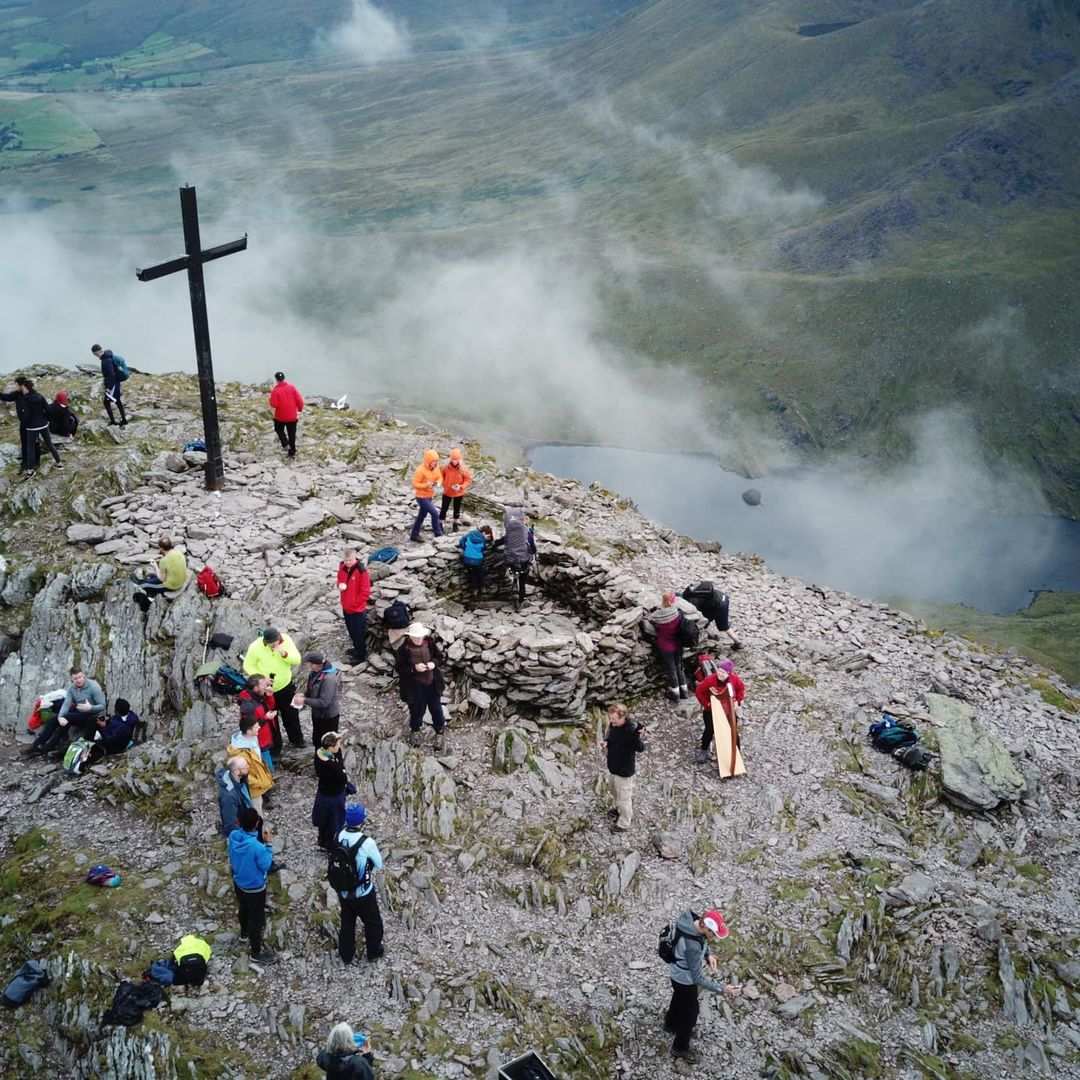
point(718, 684)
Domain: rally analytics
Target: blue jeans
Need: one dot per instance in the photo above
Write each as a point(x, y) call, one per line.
point(427, 506)
point(426, 698)
point(356, 624)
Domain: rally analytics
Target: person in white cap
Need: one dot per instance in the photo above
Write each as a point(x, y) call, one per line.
point(422, 684)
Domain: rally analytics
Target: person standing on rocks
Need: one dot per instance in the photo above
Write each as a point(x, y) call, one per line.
point(623, 743)
point(425, 480)
point(287, 404)
point(321, 696)
point(362, 902)
point(250, 860)
point(171, 574)
point(62, 421)
point(18, 398)
point(274, 655)
point(328, 813)
point(722, 684)
point(110, 373)
point(354, 588)
point(233, 792)
point(456, 479)
point(36, 418)
point(666, 621)
point(422, 684)
point(245, 744)
point(83, 703)
point(343, 1058)
point(258, 701)
point(687, 974)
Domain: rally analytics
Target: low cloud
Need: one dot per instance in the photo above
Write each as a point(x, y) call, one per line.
point(369, 36)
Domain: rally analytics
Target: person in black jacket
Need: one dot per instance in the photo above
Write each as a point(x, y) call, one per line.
point(343, 1058)
point(112, 384)
point(623, 744)
point(62, 421)
point(19, 398)
point(35, 417)
point(422, 684)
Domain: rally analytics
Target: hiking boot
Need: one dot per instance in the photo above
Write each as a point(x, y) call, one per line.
point(439, 743)
point(673, 693)
point(736, 646)
point(689, 1056)
point(683, 693)
point(59, 465)
point(456, 526)
point(415, 738)
point(267, 956)
point(372, 957)
point(416, 539)
point(701, 757)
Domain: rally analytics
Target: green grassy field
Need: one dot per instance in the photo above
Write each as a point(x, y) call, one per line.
point(47, 127)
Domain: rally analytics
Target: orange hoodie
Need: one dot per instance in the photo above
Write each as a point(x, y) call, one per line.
point(427, 476)
point(456, 477)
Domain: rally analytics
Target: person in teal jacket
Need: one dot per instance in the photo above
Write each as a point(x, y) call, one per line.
point(251, 860)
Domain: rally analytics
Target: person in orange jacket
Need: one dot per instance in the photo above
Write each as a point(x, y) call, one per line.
point(287, 404)
point(456, 479)
point(424, 481)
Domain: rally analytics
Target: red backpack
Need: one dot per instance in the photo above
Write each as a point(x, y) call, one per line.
point(209, 583)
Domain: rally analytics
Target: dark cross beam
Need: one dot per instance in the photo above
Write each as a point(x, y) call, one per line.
point(193, 263)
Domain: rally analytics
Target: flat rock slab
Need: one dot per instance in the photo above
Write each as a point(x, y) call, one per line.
point(977, 772)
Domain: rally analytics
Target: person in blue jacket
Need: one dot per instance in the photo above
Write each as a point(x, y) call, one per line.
point(115, 733)
point(251, 860)
point(112, 384)
point(361, 903)
point(474, 547)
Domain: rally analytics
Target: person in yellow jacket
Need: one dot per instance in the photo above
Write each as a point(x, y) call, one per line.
point(274, 655)
point(424, 481)
point(245, 744)
point(456, 479)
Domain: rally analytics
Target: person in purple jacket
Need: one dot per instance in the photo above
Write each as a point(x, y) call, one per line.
point(666, 621)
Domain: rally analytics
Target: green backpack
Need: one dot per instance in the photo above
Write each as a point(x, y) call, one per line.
point(77, 756)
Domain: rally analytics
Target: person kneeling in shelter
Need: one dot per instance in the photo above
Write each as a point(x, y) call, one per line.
point(475, 546)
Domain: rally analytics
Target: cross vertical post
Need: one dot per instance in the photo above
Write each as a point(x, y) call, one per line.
point(193, 262)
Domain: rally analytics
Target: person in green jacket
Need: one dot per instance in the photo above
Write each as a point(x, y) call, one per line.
point(171, 574)
point(274, 655)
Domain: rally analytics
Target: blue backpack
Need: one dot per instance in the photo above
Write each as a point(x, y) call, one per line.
point(384, 555)
point(472, 548)
point(887, 735)
point(123, 373)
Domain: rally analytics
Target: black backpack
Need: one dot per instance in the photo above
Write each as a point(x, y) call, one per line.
point(688, 633)
point(397, 616)
point(665, 945)
point(341, 872)
point(190, 971)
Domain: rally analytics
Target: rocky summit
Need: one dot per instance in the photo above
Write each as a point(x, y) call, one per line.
point(884, 922)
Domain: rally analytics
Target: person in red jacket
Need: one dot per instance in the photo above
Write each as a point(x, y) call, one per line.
point(258, 701)
point(354, 587)
point(717, 684)
point(287, 404)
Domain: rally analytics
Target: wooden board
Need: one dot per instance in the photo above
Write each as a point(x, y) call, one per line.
point(729, 760)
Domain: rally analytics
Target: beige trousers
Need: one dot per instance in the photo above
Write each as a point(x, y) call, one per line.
point(622, 794)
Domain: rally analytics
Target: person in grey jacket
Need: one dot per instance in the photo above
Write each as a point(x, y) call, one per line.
point(82, 705)
point(320, 696)
point(233, 793)
point(687, 973)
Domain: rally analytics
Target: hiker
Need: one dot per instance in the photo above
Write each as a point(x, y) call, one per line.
point(320, 695)
point(273, 654)
point(171, 574)
point(623, 743)
point(426, 478)
point(245, 744)
point(666, 620)
point(328, 813)
point(687, 974)
point(354, 587)
point(287, 404)
point(362, 902)
point(233, 792)
point(19, 399)
point(714, 604)
point(258, 701)
point(417, 665)
point(456, 479)
point(62, 421)
point(77, 716)
point(35, 418)
point(111, 376)
point(250, 860)
point(343, 1058)
point(474, 546)
point(714, 684)
point(117, 732)
point(518, 544)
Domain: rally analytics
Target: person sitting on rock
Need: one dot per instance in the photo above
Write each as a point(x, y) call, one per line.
point(234, 794)
point(321, 695)
point(474, 548)
point(62, 421)
point(245, 743)
point(343, 1058)
point(456, 479)
point(274, 654)
point(722, 685)
point(328, 813)
point(427, 477)
point(421, 682)
point(77, 716)
point(665, 621)
point(170, 575)
point(258, 701)
point(117, 733)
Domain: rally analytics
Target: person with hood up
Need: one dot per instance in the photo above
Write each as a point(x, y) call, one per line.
point(417, 665)
point(343, 1058)
point(456, 479)
point(426, 478)
point(518, 544)
point(245, 744)
point(354, 588)
point(233, 792)
point(274, 654)
point(250, 860)
point(724, 684)
point(687, 973)
point(474, 548)
point(321, 695)
point(62, 421)
point(666, 621)
point(328, 813)
point(287, 404)
point(110, 374)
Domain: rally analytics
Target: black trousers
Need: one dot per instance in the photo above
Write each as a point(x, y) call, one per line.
point(286, 433)
point(682, 1014)
point(366, 909)
point(356, 624)
point(446, 501)
point(251, 908)
point(34, 437)
point(289, 716)
point(321, 726)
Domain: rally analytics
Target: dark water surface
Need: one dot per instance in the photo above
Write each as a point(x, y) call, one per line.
point(827, 530)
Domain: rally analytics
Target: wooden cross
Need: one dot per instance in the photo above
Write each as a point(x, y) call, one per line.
point(193, 262)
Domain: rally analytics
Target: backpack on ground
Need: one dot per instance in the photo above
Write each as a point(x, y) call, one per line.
point(665, 945)
point(123, 372)
point(472, 550)
point(384, 555)
point(190, 959)
point(688, 633)
point(31, 976)
point(887, 735)
point(209, 583)
point(103, 875)
point(913, 757)
point(397, 616)
point(227, 680)
point(77, 756)
point(341, 872)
